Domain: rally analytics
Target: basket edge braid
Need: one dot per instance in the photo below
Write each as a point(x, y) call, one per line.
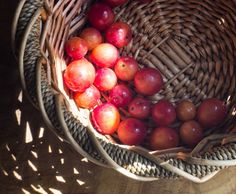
point(173, 167)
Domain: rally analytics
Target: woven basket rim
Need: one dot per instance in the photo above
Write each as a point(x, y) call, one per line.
point(97, 138)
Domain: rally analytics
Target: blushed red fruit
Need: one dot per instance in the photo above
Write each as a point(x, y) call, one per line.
point(148, 81)
point(100, 16)
point(120, 95)
point(104, 55)
point(105, 79)
point(89, 98)
point(186, 110)
point(119, 34)
point(140, 108)
point(126, 68)
point(132, 131)
point(163, 138)
point(76, 48)
point(106, 118)
point(79, 75)
point(191, 133)
point(163, 113)
point(211, 112)
point(92, 36)
point(115, 3)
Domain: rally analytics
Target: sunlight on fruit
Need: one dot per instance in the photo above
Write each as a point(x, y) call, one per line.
point(17, 175)
point(28, 134)
point(55, 191)
point(32, 166)
point(39, 189)
point(60, 179)
point(75, 171)
point(80, 182)
point(34, 154)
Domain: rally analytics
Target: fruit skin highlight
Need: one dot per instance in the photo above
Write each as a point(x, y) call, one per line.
point(140, 108)
point(164, 138)
point(79, 75)
point(126, 68)
point(186, 110)
point(105, 118)
point(119, 34)
point(100, 16)
point(105, 79)
point(132, 131)
point(104, 55)
point(211, 112)
point(148, 81)
point(121, 95)
point(191, 132)
point(92, 36)
point(89, 98)
point(163, 113)
point(76, 48)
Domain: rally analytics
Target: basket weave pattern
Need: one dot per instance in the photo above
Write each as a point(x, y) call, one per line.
point(192, 43)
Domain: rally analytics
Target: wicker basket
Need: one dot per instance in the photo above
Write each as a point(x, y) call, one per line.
point(193, 44)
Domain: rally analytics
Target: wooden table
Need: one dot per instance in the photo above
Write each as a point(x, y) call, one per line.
point(33, 160)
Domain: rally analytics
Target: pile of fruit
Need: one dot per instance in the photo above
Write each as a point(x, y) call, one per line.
point(116, 89)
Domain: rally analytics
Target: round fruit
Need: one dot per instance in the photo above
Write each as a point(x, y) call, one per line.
point(163, 113)
point(76, 48)
point(100, 16)
point(132, 131)
point(105, 79)
point(89, 98)
point(104, 55)
point(148, 81)
point(106, 118)
point(119, 34)
point(140, 108)
point(211, 112)
point(92, 36)
point(164, 138)
point(126, 68)
point(115, 3)
point(79, 75)
point(191, 133)
point(186, 110)
point(120, 95)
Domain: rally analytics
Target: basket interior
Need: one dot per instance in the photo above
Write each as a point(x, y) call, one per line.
point(192, 43)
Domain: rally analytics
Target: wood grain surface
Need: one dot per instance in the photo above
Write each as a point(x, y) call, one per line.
point(34, 160)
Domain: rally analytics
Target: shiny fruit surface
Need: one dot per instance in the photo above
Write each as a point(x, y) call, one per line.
point(132, 131)
point(79, 75)
point(106, 118)
point(163, 113)
point(164, 138)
